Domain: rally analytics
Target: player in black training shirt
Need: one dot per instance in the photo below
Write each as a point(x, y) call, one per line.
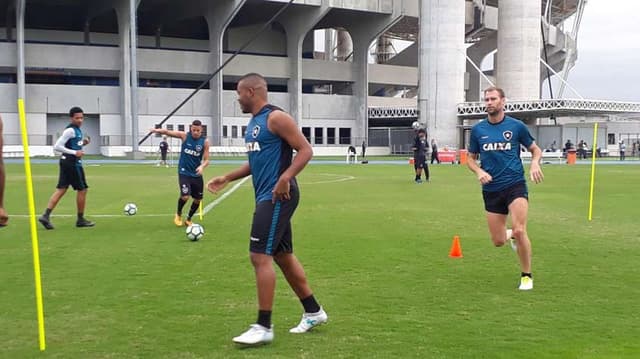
point(420, 149)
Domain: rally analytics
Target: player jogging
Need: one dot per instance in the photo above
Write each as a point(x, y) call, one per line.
point(271, 137)
point(194, 158)
point(496, 141)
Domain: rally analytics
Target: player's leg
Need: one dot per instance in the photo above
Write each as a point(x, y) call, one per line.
point(196, 189)
point(497, 228)
point(64, 180)
point(80, 185)
point(185, 192)
point(519, 210)
point(418, 169)
point(261, 249)
point(426, 169)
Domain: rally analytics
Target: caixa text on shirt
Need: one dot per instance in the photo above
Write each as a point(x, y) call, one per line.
point(253, 146)
point(192, 152)
point(496, 146)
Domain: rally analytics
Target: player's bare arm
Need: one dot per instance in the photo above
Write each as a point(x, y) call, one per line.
point(283, 125)
point(535, 172)
point(483, 176)
point(205, 158)
point(217, 183)
point(175, 134)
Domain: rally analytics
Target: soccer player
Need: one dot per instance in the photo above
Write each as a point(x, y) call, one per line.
point(164, 148)
point(4, 218)
point(71, 172)
point(496, 141)
point(194, 158)
point(271, 137)
point(420, 148)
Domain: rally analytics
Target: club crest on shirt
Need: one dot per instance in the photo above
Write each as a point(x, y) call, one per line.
point(255, 131)
point(507, 135)
point(198, 148)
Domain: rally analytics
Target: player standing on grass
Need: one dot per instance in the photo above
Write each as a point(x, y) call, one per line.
point(4, 218)
point(71, 172)
point(420, 149)
point(194, 158)
point(270, 139)
point(496, 141)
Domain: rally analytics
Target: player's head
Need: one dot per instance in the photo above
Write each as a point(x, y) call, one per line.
point(76, 115)
point(422, 133)
point(252, 92)
point(196, 129)
point(494, 100)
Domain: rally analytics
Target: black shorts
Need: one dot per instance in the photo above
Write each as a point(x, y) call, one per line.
point(498, 202)
point(271, 229)
point(163, 154)
point(191, 186)
point(420, 162)
point(71, 174)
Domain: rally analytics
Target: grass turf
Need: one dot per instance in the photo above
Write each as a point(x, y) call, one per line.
point(374, 246)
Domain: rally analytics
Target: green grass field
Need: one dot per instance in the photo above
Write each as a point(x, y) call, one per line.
point(374, 245)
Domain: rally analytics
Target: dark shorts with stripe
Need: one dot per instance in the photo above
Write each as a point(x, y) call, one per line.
point(71, 174)
point(271, 229)
point(498, 202)
point(419, 162)
point(191, 186)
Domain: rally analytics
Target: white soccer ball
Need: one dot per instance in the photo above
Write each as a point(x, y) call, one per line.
point(416, 125)
point(195, 232)
point(130, 209)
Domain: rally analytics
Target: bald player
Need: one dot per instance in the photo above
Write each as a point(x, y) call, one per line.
point(271, 137)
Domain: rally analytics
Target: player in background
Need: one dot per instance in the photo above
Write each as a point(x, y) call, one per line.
point(194, 158)
point(420, 149)
point(4, 217)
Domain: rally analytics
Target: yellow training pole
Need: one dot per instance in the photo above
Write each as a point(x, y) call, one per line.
point(32, 224)
point(201, 210)
point(593, 167)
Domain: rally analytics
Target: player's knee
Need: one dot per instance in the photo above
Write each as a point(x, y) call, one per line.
point(518, 232)
point(184, 198)
point(499, 241)
point(260, 260)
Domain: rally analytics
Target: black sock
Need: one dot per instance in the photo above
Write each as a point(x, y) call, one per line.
point(181, 204)
point(310, 304)
point(264, 318)
point(47, 212)
point(193, 209)
point(80, 215)
point(527, 275)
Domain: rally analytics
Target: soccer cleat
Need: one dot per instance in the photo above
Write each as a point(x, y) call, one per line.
point(511, 240)
point(526, 283)
point(45, 222)
point(257, 334)
point(82, 222)
point(309, 321)
point(177, 220)
point(188, 222)
point(418, 181)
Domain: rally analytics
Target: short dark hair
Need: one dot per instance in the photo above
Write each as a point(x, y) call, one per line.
point(196, 123)
point(75, 110)
point(422, 130)
point(497, 89)
point(252, 75)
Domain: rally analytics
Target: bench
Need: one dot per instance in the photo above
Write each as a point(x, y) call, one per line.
point(558, 155)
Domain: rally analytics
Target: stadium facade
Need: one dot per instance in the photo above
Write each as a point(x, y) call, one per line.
point(334, 65)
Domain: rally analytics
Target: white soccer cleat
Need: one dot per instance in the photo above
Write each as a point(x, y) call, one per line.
point(512, 241)
point(309, 321)
point(526, 283)
point(257, 334)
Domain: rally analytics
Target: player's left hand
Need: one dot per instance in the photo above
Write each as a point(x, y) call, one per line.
point(535, 173)
point(4, 218)
point(281, 190)
point(86, 141)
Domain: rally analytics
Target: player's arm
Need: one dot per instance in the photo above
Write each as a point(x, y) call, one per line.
point(67, 134)
point(535, 172)
point(3, 213)
point(205, 158)
point(175, 134)
point(472, 164)
point(217, 183)
point(283, 125)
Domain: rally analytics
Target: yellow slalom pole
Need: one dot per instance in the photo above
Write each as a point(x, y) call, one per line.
point(593, 168)
point(200, 210)
point(32, 224)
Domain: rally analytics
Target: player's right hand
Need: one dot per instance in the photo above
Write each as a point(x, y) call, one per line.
point(217, 183)
point(484, 177)
point(79, 153)
point(4, 218)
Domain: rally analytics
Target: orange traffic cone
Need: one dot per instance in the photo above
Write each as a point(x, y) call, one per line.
point(456, 250)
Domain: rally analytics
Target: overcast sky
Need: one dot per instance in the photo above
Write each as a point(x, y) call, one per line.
point(608, 65)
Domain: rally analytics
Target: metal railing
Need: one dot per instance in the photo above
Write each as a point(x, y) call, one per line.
point(475, 109)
